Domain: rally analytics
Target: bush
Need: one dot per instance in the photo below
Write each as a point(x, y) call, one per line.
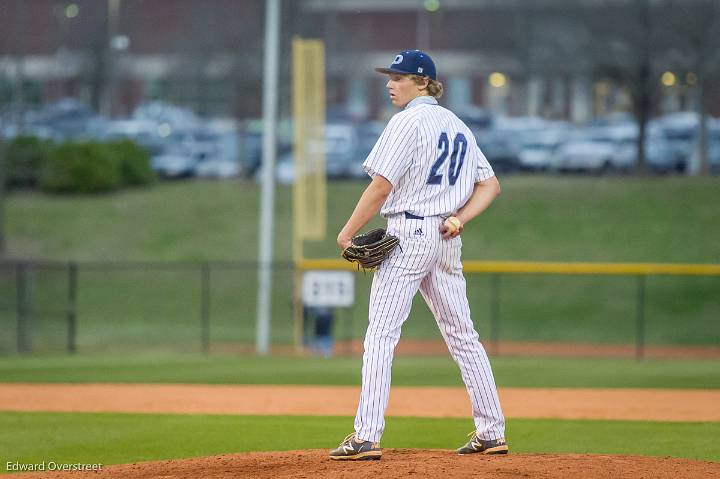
point(25, 158)
point(80, 168)
point(134, 162)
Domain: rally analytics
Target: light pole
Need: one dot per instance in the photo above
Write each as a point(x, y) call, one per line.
point(267, 200)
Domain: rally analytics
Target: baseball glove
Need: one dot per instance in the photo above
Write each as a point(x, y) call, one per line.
point(370, 249)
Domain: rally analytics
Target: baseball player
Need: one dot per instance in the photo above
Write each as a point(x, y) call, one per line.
point(429, 178)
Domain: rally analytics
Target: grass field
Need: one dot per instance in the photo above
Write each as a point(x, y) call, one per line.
point(537, 218)
point(124, 312)
point(146, 306)
point(407, 371)
point(124, 438)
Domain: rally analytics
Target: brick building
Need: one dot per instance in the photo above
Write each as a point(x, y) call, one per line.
point(515, 57)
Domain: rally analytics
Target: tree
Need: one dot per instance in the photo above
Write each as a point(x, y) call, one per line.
point(695, 50)
point(625, 48)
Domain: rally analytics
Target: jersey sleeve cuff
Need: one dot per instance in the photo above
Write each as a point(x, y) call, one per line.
point(373, 173)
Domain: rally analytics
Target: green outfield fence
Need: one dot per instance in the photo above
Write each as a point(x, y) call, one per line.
point(211, 307)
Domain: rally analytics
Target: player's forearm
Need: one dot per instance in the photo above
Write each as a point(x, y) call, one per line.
point(482, 196)
point(367, 206)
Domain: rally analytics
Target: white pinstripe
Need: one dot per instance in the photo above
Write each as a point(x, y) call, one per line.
point(404, 155)
point(406, 151)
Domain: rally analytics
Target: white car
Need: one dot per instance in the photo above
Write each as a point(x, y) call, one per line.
point(584, 154)
point(341, 143)
point(173, 165)
point(538, 148)
point(175, 160)
point(599, 148)
point(217, 168)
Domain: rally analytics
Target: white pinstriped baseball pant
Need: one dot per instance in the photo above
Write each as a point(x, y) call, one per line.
point(431, 264)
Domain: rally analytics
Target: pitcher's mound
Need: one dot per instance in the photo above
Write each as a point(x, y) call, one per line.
point(407, 463)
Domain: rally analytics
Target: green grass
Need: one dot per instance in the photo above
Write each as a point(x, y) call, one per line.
point(125, 438)
point(537, 218)
point(407, 371)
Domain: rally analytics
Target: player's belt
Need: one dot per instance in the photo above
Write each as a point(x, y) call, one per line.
point(410, 216)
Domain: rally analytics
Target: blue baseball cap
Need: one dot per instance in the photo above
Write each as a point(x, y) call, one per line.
point(411, 62)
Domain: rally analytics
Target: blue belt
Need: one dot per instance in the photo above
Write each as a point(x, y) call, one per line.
point(410, 216)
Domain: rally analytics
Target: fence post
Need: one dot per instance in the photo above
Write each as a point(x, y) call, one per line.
point(640, 319)
point(495, 314)
point(349, 313)
point(72, 308)
point(24, 332)
point(205, 308)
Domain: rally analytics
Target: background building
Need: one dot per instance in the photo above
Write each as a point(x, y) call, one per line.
point(558, 59)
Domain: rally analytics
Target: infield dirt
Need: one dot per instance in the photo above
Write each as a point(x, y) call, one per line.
point(628, 404)
point(637, 404)
point(398, 463)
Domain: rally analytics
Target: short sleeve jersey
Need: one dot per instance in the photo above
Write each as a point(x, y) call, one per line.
point(431, 158)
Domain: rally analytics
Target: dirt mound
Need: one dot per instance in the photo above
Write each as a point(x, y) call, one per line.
point(406, 463)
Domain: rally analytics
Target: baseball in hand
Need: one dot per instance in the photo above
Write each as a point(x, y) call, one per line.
point(452, 224)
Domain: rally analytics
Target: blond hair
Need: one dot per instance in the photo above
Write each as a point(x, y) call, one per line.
point(434, 87)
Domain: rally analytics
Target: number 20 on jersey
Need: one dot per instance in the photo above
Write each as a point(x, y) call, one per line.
point(457, 158)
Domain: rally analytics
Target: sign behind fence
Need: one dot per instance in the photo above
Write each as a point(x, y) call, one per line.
point(328, 288)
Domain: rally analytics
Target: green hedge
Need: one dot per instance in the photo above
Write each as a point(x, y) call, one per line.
point(25, 158)
point(134, 162)
point(90, 167)
point(80, 168)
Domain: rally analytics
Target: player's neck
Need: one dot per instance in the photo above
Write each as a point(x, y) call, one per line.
point(420, 95)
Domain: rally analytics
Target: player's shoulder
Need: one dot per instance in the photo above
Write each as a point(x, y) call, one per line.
point(450, 118)
point(409, 113)
point(405, 119)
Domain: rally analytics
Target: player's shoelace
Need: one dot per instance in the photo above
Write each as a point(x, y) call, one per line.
point(474, 440)
point(349, 437)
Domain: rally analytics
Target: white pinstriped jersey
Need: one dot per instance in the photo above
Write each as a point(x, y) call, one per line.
point(431, 158)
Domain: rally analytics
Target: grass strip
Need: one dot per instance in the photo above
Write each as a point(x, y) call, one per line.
point(124, 438)
point(407, 371)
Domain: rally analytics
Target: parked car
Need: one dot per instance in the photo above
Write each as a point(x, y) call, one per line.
point(69, 118)
point(476, 118)
point(659, 153)
point(680, 130)
point(539, 147)
point(713, 146)
point(368, 134)
point(10, 130)
point(585, 153)
point(341, 160)
point(175, 160)
point(500, 149)
point(714, 152)
point(250, 145)
point(143, 132)
point(217, 168)
point(341, 143)
point(222, 161)
point(606, 148)
point(624, 136)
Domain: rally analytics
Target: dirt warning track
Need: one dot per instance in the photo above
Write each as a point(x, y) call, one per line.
point(628, 404)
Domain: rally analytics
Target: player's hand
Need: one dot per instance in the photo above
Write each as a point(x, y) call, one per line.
point(343, 241)
point(451, 228)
